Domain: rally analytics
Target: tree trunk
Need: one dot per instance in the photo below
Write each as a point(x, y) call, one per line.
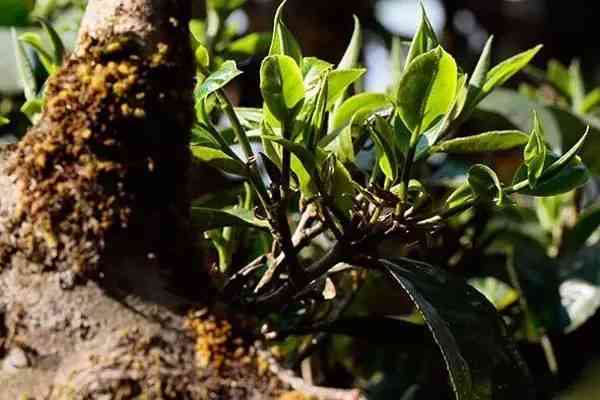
point(97, 271)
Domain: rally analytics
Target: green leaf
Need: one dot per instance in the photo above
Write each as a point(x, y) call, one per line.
point(358, 102)
point(225, 7)
point(338, 81)
point(206, 219)
point(483, 142)
point(217, 80)
point(198, 31)
point(478, 78)
point(534, 154)
point(459, 196)
point(281, 85)
point(4, 121)
point(283, 41)
point(587, 224)
point(250, 118)
point(502, 72)
point(591, 101)
point(568, 156)
point(577, 86)
point(33, 109)
point(15, 12)
point(352, 53)
point(202, 56)
point(382, 135)
point(219, 159)
point(25, 68)
point(559, 76)
point(343, 144)
point(485, 184)
point(497, 292)
point(35, 41)
point(427, 90)
point(58, 48)
point(570, 177)
point(253, 44)
point(298, 150)
point(424, 40)
point(480, 356)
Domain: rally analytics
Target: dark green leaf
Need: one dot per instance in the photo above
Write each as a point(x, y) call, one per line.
point(382, 135)
point(217, 80)
point(15, 12)
point(281, 85)
point(488, 141)
point(482, 360)
point(206, 219)
point(427, 89)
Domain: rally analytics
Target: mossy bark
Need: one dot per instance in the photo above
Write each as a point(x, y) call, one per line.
point(94, 234)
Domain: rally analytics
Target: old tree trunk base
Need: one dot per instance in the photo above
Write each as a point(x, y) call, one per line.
point(94, 239)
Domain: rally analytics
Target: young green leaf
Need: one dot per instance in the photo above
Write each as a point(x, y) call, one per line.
point(535, 152)
point(206, 219)
point(198, 30)
point(282, 86)
point(569, 177)
point(361, 101)
point(58, 48)
point(478, 78)
point(4, 121)
point(559, 76)
point(219, 159)
point(202, 56)
point(424, 40)
point(283, 41)
point(250, 45)
point(483, 142)
point(298, 150)
point(33, 109)
point(577, 86)
point(25, 68)
point(427, 90)
point(225, 7)
point(485, 184)
point(339, 81)
point(35, 41)
point(217, 80)
point(459, 196)
point(568, 156)
point(502, 72)
point(591, 101)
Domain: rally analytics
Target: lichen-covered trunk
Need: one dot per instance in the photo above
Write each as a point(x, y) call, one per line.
point(95, 249)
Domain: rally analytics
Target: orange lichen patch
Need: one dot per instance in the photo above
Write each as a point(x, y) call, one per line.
point(107, 131)
point(294, 396)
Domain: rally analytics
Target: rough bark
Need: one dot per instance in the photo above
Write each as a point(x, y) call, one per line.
point(97, 271)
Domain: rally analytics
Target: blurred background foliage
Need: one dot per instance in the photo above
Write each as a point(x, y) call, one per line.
point(539, 264)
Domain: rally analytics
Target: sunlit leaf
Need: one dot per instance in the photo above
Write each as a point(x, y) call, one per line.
point(25, 68)
point(219, 160)
point(488, 141)
point(250, 45)
point(424, 40)
point(217, 80)
point(283, 41)
point(281, 85)
point(339, 81)
point(427, 89)
point(361, 101)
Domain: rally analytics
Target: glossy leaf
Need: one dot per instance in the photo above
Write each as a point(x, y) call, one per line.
point(219, 159)
point(427, 89)
point(361, 101)
point(281, 85)
point(338, 81)
point(488, 141)
point(217, 80)
point(206, 219)
point(482, 360)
